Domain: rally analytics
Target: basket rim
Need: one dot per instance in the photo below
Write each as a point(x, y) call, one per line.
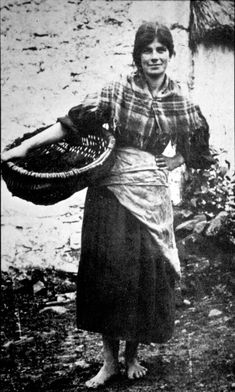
point(70, 173)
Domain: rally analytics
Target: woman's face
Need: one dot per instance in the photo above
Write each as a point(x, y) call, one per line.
point(154, 59)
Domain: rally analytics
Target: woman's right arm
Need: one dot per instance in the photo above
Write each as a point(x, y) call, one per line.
point(53, 134)
point(93, 111)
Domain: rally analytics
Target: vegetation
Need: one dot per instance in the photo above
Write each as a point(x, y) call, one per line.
point(211, 192)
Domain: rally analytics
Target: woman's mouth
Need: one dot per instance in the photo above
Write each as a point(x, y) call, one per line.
point(155, 65)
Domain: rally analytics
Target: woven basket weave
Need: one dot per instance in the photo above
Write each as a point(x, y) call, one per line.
point(54, 172)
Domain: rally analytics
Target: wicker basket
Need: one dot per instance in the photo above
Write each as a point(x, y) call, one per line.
point(54, 172)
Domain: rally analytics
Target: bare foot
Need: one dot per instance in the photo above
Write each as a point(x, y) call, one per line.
point(135, 370)
point(105, 374)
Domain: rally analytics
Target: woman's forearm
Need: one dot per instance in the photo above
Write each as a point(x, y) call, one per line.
point(53, 134)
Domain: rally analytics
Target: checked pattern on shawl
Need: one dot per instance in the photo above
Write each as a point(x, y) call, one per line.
point(145, 122)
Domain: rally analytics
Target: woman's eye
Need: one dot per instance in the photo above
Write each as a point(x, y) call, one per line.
point(162, 50)
point(147, 50)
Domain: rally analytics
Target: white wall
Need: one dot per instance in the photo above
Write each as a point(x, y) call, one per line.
point(214, 91)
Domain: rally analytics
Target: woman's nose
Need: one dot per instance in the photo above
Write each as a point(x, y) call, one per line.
point(155, 55)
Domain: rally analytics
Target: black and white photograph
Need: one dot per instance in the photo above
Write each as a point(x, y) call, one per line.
point(117, 196)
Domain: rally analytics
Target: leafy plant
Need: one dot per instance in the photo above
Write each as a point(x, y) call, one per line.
point(209, 191)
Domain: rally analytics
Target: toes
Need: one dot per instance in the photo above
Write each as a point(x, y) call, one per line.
point(100, 380)
point(140, 374)
point(136, 373)
point(144, 370)
point(91, 384)
point(94, 383)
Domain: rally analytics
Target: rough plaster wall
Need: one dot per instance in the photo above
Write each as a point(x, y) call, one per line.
point(214, 91)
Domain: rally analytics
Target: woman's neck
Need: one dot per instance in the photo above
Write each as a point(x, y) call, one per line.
point(155, 84)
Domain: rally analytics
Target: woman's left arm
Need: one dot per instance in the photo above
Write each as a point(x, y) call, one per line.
point(194, 145)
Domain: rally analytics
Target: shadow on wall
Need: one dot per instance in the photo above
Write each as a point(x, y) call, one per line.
point(211, 39)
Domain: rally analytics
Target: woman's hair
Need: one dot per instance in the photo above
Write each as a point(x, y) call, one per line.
point(146, 34)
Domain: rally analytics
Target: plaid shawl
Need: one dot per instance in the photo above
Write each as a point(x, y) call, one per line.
point(142, 121)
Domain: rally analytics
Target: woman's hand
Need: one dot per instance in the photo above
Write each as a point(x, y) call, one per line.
point(15, 153)
point(169, 163)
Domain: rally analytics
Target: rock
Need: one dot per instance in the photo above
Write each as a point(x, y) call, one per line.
point(216, 224)
point(82, 364)
point(67, 358)
point(38, 287)
point(215, 313)
point(79, 348)
point(56, 309)
point(71, 296)
point(193, 202)
point(61, 298)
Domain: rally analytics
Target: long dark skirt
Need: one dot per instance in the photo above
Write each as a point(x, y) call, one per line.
point(125, 290)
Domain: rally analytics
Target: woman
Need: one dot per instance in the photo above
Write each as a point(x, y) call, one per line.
point(129, 259)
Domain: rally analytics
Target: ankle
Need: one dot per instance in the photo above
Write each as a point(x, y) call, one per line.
point(131, 351)
point(131, 361)
point(111, 365)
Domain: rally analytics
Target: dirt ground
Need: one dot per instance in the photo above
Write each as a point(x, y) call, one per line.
point(42, 350)
point(53, 52)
